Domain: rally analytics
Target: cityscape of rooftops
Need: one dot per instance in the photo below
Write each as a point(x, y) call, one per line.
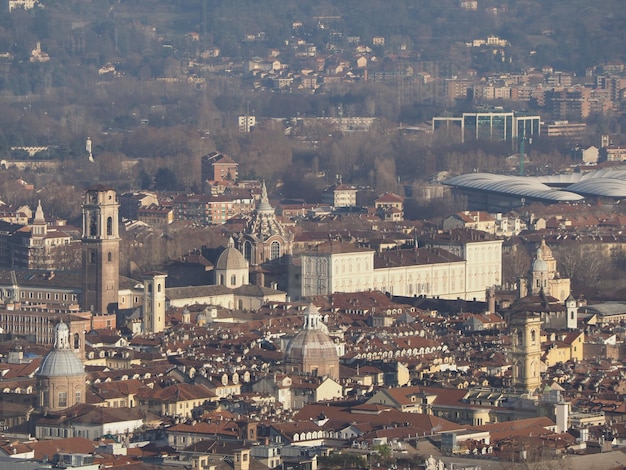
point(262, 235)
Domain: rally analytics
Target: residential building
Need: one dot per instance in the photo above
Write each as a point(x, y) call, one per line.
point(25, 4)
point(340, 195)
point(90, 422)
point(564, 129)
point(390, 206)
point(476, 220)
point(173, 400)
point(155, 216)
point(219, 168)
point(209, 210)
point(613, 153)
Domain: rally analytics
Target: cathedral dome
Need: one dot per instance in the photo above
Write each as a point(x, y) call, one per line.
point(311, 351)
point(231, 258)
point(61, 361)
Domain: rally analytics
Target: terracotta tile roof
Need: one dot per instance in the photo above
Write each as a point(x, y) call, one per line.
point(520, 427)
point(341, 416)
point(177, 392)
point(209, 429)
point(75, 445)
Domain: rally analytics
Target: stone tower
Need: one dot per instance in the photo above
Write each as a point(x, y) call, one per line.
point(61, 375)
point(526, 351)
point(101, 250)
point(154, 302)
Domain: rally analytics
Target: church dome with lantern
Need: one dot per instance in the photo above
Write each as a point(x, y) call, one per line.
point(61, 375)
point(312, 351)
point(231, 269)
point(61, 361)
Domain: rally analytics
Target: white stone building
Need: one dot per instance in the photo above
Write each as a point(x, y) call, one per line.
point(447, 267)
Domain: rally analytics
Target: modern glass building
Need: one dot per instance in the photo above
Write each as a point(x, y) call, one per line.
point(504, 126)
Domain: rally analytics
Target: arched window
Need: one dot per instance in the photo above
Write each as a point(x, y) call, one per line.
point(532, 335)
point(274, 250)
point(109, 226)
point(247, 250)
point(221, 281)
point(93, 225)
point(158, 287)
point(76, 341)
point(233, 280)
point(110, 256)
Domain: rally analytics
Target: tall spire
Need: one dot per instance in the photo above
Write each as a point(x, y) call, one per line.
point(264, 204)
point(39, 217)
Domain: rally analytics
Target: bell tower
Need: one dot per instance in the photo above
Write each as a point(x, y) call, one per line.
point(101, 250)
point(526, 351)
point(154, 302)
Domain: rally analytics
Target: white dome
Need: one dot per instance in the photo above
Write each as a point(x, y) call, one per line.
point(60, 363)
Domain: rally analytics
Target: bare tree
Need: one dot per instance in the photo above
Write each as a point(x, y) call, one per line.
point(583, 264)
point(515, 263)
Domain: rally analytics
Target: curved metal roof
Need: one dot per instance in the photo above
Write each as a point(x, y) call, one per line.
point(608, 182)
point(605, 187)
point(514, 186)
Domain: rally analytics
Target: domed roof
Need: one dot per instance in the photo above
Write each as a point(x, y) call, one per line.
point(311, 345)
point(231, 258)
point(540, 265)
point(61, 361)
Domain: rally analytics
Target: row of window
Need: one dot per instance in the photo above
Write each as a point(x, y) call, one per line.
point(47, 296)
